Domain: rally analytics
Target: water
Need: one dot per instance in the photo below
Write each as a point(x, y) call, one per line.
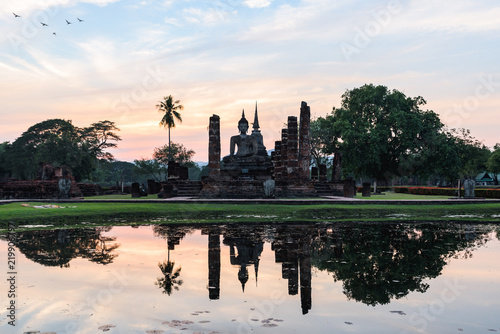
point(316, 278)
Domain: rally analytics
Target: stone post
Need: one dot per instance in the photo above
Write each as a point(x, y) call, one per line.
point(367, 189)
point(292, 148)
point(214, 147)
point(314, 173)
point(322, 172)
point(349, 188)
point(469, 187)
point(304, 141)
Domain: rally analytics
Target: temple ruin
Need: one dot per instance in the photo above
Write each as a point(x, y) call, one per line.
point(249, 172)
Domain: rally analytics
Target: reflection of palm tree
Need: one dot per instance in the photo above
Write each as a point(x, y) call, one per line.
point(170, 277)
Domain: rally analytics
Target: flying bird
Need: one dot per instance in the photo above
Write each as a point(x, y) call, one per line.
point(79, 20)
point(54, 33)
point(44, 24)
point(15, 15)
point(68, 22)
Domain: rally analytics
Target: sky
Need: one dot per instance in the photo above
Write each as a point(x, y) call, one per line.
point(220, 57)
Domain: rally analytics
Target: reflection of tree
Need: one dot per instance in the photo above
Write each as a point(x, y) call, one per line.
point(59, 247)
point(385, 261)
point(170, 277)
point(173, 233)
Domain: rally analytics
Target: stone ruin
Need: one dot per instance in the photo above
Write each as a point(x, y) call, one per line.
point(51, 182)
point(249, 172)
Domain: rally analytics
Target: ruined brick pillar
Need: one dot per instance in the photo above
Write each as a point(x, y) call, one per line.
point(304, 141)
point(292, 148)
point(278, 164)
point(284, 154)
point(214, 147)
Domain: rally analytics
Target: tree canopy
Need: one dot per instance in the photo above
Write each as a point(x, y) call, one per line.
point(58, 142)
point(157, 167)
point(375, 129)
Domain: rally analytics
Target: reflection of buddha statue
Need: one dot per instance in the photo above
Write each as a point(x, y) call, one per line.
point(247, 144)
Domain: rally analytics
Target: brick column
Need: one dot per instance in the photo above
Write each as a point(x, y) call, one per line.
point(292, 147)
point(304, 141)
point(284, 155)
point(214, 147)
point(276, 157)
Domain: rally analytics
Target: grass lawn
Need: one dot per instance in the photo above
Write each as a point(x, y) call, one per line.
point(390, 195)
point(92, 214)
point(385, 196)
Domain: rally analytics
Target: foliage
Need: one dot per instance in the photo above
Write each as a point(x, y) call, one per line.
point(4, 171)
point(151, 168)
point(169, 108)
point(479, 192)
point(178, 153)
point(472, 153)
point(157, 167)
point(58, 142)
point(116, 173)
point(376, 129)
point(320, 135)
point(493, 163)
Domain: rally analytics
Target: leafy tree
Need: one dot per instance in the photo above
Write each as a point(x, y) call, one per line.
point(158, 166)
point(153, 168)
point(376, 129)
point(4, 171)
point(174, 152)
point(58, 142)
point(169, 108)
point(321, 133)
point(493, 163)
point(99, 136)
point(472, 152)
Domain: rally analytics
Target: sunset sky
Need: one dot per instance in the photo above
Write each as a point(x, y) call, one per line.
point(219, 57)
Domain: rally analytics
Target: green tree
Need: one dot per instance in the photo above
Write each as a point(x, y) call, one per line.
point(174, 152)
point(376, 129)
point(473, 153)
point(158, 166)
point(151, 168)
point(58, 142)
point(493, 163)
point(99, 137)
point(4, 170)
point(169, 108)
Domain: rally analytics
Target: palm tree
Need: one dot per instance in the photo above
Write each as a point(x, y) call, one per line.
point(169, 107)
point(170, 277)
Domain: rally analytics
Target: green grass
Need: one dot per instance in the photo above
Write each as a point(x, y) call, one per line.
point(85, 213)
point(389, 195)
point(384, 196)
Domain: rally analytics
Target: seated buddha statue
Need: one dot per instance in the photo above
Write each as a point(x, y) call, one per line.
point(247, 145)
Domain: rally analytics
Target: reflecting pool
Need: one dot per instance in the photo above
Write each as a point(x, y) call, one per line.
point(258, 278)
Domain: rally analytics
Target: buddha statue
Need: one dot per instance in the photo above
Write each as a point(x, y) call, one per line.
point(247, 154)
point(247, 144)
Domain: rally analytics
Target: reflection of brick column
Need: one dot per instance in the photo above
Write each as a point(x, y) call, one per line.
point(305, 277)
point(292, 147)
point(304, 141)
point(284, 155)
point(213, 264)
point(214, 147)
